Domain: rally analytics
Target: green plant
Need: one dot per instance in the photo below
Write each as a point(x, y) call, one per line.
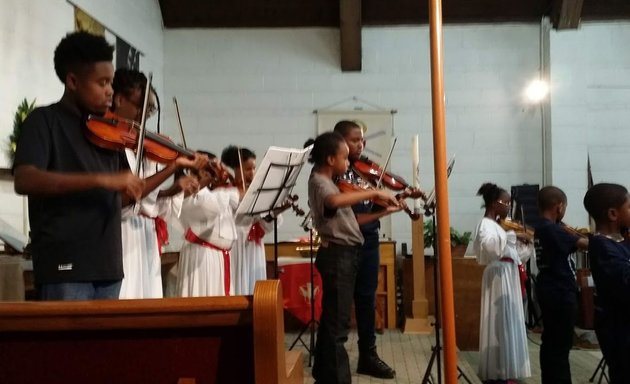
point(18, 121)
point(457, 238)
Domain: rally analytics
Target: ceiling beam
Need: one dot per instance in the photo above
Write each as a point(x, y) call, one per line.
point(566, 14)
point(350, 34)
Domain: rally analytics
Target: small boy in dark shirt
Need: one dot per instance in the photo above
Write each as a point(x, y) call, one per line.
point(609, 252)
point(556, 285)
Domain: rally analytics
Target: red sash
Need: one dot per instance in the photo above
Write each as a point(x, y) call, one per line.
point(161, 230)
point(191, 237)
point(256, 233)
point(522, 274)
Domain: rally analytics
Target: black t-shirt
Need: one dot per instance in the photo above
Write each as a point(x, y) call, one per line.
point(369, 230)
point(556, 278)
point(610, 265)
point(75, 237)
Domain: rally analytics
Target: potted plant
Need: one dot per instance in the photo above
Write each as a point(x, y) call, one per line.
point(18, 121)
point(459, 241)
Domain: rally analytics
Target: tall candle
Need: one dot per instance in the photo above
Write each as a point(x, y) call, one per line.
point(415, 159)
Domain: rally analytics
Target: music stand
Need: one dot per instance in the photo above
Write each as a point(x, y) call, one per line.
point(11, 237)
point(429, 211)
point(271, 187)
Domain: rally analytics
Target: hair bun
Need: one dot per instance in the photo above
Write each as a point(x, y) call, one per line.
point(486, 188)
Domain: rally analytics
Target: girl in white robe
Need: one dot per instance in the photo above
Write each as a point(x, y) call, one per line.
point(210, 231)
point(140, 244)
point(141, 250)
point(503, 352)
point(249, 263)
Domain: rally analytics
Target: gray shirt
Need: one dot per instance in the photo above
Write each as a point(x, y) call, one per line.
point(337, 226)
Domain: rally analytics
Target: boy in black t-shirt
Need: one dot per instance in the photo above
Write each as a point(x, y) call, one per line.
point(368, 215)
point(609, 205)
point(74, 187)
point(556, 285)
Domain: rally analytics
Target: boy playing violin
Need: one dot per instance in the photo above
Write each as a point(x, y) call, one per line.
point(609, 206)
point(338, 256)
point(556, 287)
point(75, 187)
point(368, 215)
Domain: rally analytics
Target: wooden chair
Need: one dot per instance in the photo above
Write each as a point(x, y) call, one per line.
point(236, 339)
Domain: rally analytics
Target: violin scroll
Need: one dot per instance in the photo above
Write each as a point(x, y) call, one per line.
point(292, 201)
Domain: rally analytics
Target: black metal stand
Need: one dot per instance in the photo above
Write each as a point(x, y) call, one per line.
point(275, 247)
point(437, 348)
point(533, 314)
point(312, 323)
point(601, 368)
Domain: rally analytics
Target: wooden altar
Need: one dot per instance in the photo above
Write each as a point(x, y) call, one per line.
point(386, 289)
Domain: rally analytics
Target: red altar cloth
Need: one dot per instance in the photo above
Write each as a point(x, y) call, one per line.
point(295, 275)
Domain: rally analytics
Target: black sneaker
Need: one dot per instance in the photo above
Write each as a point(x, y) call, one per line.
point(372, 365)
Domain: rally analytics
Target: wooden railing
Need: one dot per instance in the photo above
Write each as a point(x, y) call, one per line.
point(237, 339)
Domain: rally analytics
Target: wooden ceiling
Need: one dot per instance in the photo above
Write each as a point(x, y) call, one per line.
point(326, 13)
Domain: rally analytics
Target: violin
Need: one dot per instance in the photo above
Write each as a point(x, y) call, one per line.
point(346, 186)
point(372, 172)
point(221, 178)
point(509, 225)
point(581, 233)
point(112, 132)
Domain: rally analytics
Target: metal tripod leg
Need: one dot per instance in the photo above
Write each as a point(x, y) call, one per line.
point(600, 366)
point(312, 323)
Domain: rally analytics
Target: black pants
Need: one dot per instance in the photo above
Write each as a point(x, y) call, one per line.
point(557, 339)
point(613, 334)
point(365, 294)
point(337, 266)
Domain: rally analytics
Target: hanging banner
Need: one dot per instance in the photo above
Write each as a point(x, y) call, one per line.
point(86, 23)
point(126, 55)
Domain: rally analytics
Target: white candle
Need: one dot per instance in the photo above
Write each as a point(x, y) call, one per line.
point(25, 215)
point(415, 160)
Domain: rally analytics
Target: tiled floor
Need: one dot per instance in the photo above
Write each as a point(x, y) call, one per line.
point(409, 356)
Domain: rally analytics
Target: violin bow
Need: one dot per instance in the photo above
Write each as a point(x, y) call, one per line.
point(141, 134)
point(389, 157)
point(431, 196)
point(240, 164)
point(143, 123)
point(179, 122)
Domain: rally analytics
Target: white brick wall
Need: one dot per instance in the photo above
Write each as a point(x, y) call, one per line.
point(259, 87)
point(590, 109)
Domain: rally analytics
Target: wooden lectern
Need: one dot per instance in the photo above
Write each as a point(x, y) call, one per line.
point(418, 322)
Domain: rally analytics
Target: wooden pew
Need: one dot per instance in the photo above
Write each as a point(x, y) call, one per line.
point(203, 340)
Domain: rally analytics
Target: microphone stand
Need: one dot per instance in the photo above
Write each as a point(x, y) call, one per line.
point(429, 211)
point(312, 323)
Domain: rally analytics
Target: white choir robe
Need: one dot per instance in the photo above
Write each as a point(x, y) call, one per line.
point(210, 216)
point(248, 256)
point(503, 352)
point(141, 253)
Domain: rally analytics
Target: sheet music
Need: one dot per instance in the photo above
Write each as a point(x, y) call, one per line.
point(274, 180)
